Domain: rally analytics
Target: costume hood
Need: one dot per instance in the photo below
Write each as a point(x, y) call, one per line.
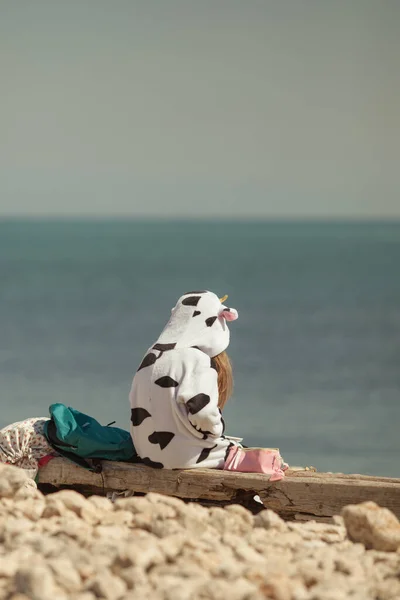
point(199, 320)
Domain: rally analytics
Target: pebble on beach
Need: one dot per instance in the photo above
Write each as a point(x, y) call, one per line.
point(64, 546)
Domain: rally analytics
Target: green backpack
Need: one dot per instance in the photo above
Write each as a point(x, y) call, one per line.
point(79, 437)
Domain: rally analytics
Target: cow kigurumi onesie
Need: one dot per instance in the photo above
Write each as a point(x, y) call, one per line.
point(175, 419)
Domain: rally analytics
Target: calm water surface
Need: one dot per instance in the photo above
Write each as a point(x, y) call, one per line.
point(316, 349)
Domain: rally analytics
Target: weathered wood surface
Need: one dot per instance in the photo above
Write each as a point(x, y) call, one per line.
point(301, 493)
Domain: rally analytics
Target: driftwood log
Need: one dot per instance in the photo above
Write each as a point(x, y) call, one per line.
point(303, 494)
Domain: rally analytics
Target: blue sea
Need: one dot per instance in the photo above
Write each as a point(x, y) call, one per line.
point(316, 349)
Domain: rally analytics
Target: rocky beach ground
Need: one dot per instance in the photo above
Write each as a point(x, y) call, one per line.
point(64, 546)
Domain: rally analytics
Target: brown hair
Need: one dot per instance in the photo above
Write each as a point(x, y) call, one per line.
point(223, 366)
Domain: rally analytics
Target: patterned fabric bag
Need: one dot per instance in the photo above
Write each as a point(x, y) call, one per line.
point(24, 445)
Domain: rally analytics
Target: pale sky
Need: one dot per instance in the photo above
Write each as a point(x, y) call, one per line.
point(229, 108)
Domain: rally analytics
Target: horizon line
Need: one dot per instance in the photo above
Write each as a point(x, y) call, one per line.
point(353, 219)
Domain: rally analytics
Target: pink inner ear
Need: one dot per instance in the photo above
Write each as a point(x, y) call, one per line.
point(229, 315)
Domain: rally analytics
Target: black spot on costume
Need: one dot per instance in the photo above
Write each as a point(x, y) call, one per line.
point(210, 321)
point(223, 424)
point(198, 402)
point(162, 438)
point(148, 360)
point(166, 382)
point(138, 415)
point(164, 347)
point(191, 301)
point(151, 463)
point(204, 454)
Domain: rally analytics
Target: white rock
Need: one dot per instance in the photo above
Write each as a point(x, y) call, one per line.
point(37, 583)
point(314, 543)
point(111, 532)
point(348, 566)
point(31, 509)
point(242, 550)
point(118, 517)
point(28, 490)
point(136, 504)
point(268, 519)
point(108, 586)
point(141, 555)
point(15, 526)
point(171, 501)
point(133, 576)
point(373, 526)
point(160, 528)
point(101, 503)
point(240, 589)
point(8, 565)
point(69, 525)
point(172, 546)
point(11, 480)
point(278, 587)
point(234, 519)
point(54, 507)
point(65, 574)
point(71, 500)
point(387, 589)
point(144, 592)
point(241, 511)
point(173, 587)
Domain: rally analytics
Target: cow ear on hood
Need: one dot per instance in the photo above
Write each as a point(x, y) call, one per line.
point(229, 314)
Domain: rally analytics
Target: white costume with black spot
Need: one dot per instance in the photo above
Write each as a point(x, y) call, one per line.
point(175, 419)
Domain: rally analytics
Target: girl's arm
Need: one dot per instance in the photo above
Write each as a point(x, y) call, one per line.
point(199, 392)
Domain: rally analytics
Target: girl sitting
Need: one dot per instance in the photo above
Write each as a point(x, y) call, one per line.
point(182, 385)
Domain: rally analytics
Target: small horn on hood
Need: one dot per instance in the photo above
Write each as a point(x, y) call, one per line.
point(223, 299)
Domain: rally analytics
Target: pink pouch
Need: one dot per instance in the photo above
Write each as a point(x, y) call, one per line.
point(256, 460)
